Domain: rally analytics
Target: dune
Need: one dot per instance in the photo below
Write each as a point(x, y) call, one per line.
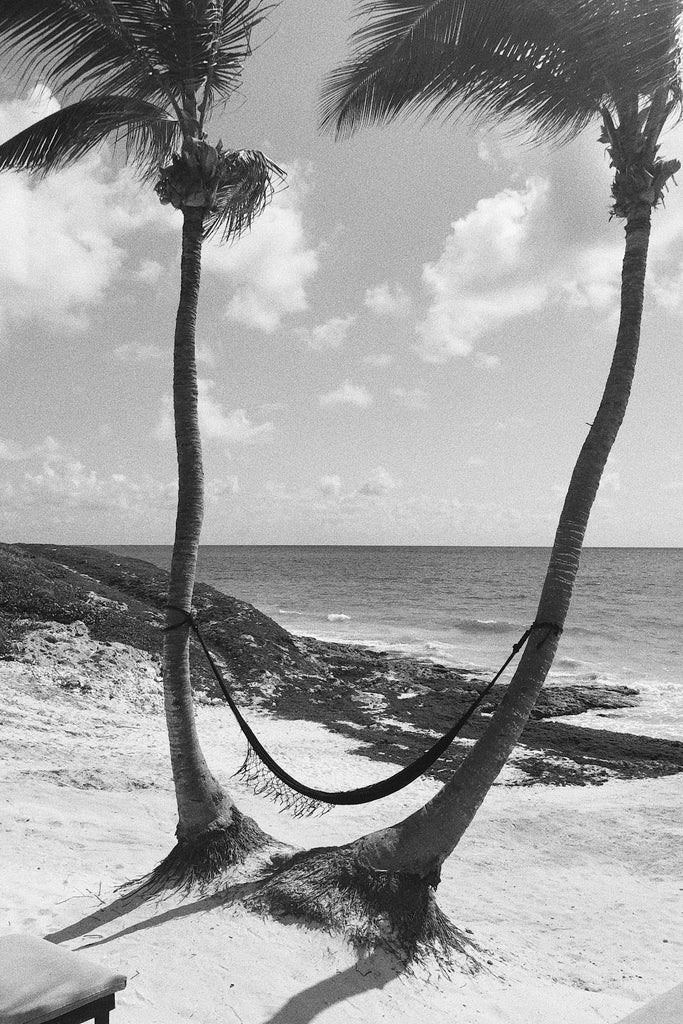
point(573, 894)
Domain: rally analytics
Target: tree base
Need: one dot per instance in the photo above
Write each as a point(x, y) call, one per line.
point(199, 864)
point(393, 911)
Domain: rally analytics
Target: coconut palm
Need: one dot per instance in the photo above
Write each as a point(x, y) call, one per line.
point(148, 74)
point(552, 67)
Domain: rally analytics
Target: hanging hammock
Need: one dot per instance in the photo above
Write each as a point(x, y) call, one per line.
point(302, 799)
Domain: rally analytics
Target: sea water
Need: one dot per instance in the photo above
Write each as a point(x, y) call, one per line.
point(467, 606)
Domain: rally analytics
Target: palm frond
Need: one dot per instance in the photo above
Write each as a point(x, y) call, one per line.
point(70, 133)
point(77, 45)
point(246, 186)
point(547, 64)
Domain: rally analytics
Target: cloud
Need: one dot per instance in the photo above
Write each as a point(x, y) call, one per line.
point(214, 424)
point(267, 269)
point(63, 233)
point(515, 254)
point(51, 493)
point(135, 352)
point(381, 360)
point(388, 300)
point(330, 335)
point(149, 271)
point(474, 286)
point(56, 479)
point(411, 398)
point(11, 452)
point(347, 394)
point(378, 485)
point(331, 485)
point(486, 361)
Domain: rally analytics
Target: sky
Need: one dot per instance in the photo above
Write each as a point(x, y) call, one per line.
point(406, 349)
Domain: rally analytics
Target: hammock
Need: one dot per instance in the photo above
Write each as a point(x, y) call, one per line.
point(302, 799)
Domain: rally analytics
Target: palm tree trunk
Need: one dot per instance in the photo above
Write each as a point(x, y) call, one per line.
point(420, 843)
point(201, 801)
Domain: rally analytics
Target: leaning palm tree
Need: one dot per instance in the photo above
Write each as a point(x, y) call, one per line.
point(555, 67)
point(148, 74)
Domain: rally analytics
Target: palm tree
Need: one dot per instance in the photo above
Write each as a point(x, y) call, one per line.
point(149, 73)
point(553, 66)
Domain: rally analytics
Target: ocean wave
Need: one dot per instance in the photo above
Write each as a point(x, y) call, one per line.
point(485, 625)
point(289, 611)
point(337, 617)
point(568, 663)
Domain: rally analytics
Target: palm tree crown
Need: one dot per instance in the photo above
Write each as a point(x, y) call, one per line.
point(147, 73)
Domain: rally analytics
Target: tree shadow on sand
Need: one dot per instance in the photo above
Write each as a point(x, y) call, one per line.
point(126, 904)
point(373, 971)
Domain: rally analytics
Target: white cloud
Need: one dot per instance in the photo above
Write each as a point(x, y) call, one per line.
point(378, 485)
point(330, 335)
point(474, 286)
point(381, 360)
point(54, 478)
point(214, 423)
point(486, 361)
point(63, 233)
point(610, 480)
point(149, 271)
point(411, 398)
point(136, 352)
point(331, 485)
point(11, 452)
point(347, 394)
point(388, 300)
point(268, 268)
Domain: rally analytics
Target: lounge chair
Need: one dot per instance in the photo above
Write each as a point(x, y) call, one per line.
point(41, 983)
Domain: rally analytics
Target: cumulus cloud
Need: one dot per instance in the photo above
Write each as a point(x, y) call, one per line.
point(214, 423)
point(64, 233)
point(511, 256)
point(378, 485)
point(267, 270)
point(149, 271)
point(388, 300)
point(331, 485)
point(136, 352)
point(51, 476)
point(347, 394)
point(474, 286)
point(52, 492)
point(380, 360)
point(330, 335)
point(411, 398)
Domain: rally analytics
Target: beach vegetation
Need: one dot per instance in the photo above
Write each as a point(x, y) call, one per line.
point(147, 75)
point(548, 69)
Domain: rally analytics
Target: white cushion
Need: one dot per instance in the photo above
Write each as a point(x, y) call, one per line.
point(39, 980)
point(665, 1009)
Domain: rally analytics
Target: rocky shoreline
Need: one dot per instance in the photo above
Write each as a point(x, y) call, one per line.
point(395, 706)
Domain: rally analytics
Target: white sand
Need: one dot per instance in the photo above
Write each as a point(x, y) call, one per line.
point(576, 893)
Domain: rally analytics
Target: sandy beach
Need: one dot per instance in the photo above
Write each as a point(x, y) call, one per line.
point(573, 893)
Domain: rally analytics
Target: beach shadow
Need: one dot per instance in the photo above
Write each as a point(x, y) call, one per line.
point(126, 904)
point(369, 972)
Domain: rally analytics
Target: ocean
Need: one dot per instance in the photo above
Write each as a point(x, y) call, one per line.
point(466, 606)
